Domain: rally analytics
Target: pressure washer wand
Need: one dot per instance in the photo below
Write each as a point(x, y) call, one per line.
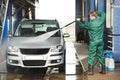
point(68, 24)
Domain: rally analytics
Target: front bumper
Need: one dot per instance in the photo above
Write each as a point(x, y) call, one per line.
point(36, 61)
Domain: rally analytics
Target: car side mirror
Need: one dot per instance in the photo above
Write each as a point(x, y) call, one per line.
point(66, 35)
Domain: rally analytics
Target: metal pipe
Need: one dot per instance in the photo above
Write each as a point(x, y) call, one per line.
point(83, 10)
point(19, 9)
point(30, 2)
point(112, 22)
point(6, 7)
point(96, 5)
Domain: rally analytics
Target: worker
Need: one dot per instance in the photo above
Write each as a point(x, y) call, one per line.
point(95, 29)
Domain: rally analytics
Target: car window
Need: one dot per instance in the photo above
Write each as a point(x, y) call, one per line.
point(43, 27)
point(24, 30)
point(35, 29)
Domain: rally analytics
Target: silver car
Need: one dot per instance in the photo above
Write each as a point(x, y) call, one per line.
point(35, 44)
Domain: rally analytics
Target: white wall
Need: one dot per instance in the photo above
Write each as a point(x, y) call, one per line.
point(62, 10)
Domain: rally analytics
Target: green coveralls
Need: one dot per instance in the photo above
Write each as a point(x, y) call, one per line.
point(95, 30)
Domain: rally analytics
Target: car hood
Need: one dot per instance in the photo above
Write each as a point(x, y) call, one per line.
point(30, 42)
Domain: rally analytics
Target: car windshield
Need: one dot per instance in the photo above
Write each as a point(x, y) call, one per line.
point(35, 29)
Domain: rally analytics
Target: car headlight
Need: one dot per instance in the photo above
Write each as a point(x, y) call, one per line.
point(12, 49)
point(56, 48)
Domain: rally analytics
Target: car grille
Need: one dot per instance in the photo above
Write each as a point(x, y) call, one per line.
point(34, 62)
point(34, 51)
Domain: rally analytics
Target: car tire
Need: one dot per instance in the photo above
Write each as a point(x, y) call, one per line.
point(10, 69)
point(62, 67)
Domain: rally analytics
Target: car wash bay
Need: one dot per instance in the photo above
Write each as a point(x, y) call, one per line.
point(77, 47)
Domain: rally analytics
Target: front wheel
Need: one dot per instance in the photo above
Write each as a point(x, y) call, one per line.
point(10, 69)
point(62, 66)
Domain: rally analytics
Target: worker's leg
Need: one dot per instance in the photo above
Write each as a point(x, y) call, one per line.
point(92, 53)
point(101, 56)
point(91, 57)
point(100, 52)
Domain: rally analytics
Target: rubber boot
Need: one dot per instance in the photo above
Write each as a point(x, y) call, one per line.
point(90, 70)
point(103, 69)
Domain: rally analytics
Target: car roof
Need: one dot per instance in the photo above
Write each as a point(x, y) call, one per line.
point(40, 21)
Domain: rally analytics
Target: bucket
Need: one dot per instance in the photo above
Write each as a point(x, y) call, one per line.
point(111, 64)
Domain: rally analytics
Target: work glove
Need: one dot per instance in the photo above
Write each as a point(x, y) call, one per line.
point(78, 19)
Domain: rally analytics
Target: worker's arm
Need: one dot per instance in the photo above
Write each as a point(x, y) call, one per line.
point(102, 16)
point(83, 25)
